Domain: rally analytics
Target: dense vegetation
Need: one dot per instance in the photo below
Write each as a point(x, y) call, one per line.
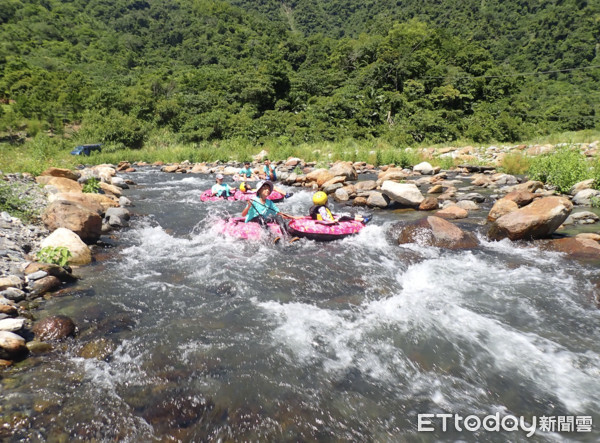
point(133, 72)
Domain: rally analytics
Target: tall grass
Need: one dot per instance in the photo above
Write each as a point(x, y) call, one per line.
point(515, 163)
point(42, 151)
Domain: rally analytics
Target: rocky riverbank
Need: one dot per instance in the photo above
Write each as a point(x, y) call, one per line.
point(58, 214)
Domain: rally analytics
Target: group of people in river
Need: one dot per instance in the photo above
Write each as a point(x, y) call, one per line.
point(248, 174)
point(263, 211)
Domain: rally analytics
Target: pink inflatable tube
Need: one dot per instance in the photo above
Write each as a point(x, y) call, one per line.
point(304, 227)
point(323, 231)
point(274, 196)
point(235, 227)
point(207, 196)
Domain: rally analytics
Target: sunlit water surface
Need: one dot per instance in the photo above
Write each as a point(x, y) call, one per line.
point(216, 338)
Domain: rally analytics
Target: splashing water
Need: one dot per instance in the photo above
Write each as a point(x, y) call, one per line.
point(213, 338)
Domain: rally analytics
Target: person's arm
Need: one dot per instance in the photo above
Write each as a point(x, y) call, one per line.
point(284, 215)
point(247, 208)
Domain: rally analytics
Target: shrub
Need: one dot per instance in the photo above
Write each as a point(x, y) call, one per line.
point(561, 169)
point(54, 255)
point(92, 186)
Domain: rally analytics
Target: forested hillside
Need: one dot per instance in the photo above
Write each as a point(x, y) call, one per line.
point(299, 71)
point(530, 34)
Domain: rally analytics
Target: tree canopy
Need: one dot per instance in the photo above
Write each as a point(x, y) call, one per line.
point(304, 70)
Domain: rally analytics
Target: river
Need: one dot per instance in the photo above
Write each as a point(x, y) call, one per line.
point(212, 338)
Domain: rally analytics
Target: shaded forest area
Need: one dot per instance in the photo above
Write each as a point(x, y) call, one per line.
point(299, 71)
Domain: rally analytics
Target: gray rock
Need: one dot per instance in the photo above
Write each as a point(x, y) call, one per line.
point(424, 168)
point(124, 201)
point(341, 195)
point(582, 218)
point(403, 193)
point(37, 275)
point(378, 200)
point(118, 212)
point(585, 197)
point(12, 324)
point(13, 294)
point(330, 189)
point(473, 196)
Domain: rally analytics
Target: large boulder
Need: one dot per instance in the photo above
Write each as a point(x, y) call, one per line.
point(80, 253)
point(403, 193)
point(59, 172)
point(60, 184)
point(75, 217)
point(433, 231)
point(576, 247)
point(320, 176)
point(502, 207)
point(537, 220)
point(83, 199)
point(345, 169)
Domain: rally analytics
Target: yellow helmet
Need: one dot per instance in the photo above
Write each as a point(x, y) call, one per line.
point(320, 198)
point(243, 187)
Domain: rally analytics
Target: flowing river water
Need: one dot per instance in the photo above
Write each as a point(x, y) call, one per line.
point(210, 338)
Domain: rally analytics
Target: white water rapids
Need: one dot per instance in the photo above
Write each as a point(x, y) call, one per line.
point(216, 338)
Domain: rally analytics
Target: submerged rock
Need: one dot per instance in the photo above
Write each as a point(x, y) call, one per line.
point(99, 349)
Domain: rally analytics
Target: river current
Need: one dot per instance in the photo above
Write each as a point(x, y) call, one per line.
point(211, 338)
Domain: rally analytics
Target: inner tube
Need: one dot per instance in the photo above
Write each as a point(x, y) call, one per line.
point(273, 196)
point(237, 228)
point(319, 230)
point(207, 196)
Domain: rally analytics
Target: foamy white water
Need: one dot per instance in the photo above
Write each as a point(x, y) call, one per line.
point(215, 338)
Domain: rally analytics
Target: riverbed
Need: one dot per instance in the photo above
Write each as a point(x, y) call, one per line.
point(201, 337)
